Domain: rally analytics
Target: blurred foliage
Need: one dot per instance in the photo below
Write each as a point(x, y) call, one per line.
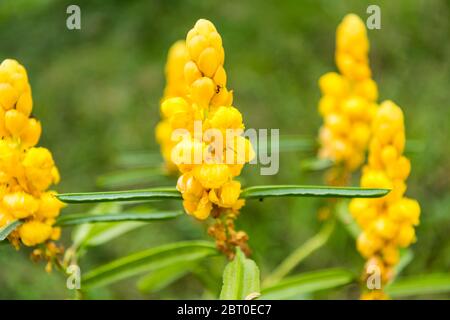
point(97, 90)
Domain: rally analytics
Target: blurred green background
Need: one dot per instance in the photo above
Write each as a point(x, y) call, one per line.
point(97, 90)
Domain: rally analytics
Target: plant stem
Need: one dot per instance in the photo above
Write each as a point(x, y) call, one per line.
point(300, 254)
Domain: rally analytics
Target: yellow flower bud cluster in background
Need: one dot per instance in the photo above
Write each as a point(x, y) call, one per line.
point(207, 186)
point(26, 171)
point(348, 101)
point(175, 87)
point(387, 223)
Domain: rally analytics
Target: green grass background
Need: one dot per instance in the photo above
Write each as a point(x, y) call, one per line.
point(97, 92)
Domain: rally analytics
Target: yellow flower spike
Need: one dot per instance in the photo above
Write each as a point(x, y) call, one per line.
point(348, 102)
point(206, 184)
point(25, 171)
point(387, 223)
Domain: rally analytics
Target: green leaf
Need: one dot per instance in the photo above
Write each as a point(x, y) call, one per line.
point(240, 278)
point(129, 195)
point(249, 193)
point(148, 260)
point(406, 256)
point(343, 214)
point(311, 191)
point(301, 253)
point(296, 143)
point(8, 228)
point(101, 233)
point(81, 218)
point(309, 282)
point(130, 177)
point(419, 285)
point(142, 158)
point(161, 278)
point(316, 164)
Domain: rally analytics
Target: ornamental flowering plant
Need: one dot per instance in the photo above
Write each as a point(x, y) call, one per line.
point(199, 215)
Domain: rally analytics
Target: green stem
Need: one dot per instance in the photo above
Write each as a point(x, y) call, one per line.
point(300, 254)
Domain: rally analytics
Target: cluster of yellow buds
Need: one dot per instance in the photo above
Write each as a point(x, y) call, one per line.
point(177, 57)
point(26, 171)
point(198, 103)
point(387, 223)
point(348, 101)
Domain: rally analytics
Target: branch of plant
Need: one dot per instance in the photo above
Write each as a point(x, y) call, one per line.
point(299, 254)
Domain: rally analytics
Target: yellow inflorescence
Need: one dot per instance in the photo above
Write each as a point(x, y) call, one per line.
point(26, 171)
point(348, 100)
point(387, 223)
point(207, 186)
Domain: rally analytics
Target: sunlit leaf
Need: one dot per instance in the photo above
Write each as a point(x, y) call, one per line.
point(309, 282)
point(146, 261)
point(240, 278)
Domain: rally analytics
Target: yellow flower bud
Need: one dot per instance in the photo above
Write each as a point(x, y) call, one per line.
point(20, 204)
point(31, 134)
point(212, 175)
point(49, 205)
point(38, 164)
point(333, 84)
point(202, 90)
point(15, 122)
point(8, 96)
point(208, 62)
point(34, 232)
point(25, 103)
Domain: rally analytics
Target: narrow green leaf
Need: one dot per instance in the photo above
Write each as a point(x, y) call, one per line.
point(309, 282)
point(8, 228)
point(80, 218)
point(406, 256)
point(101, 233)
point(344, 216)
point(148, 260)
point(311, 191)
point(301, 253)
point(161, 278)
point(131, 177)
point(419, 285)
point(296, 143)
point(249, 193)
point(81, 232)
point(139, 158)
point(240, 278)
point(316, 164)
point(129, 195)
